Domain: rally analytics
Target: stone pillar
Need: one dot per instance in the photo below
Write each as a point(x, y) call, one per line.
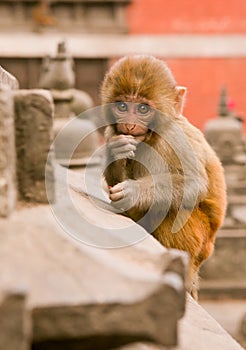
point(14, 321)
point(7, 144)
point(34, 123)
point(8, 79)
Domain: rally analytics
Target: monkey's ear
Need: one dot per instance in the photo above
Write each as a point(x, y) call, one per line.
point(180, 99)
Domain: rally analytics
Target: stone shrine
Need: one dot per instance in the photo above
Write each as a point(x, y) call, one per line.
point(57, 75)
point(225, 135)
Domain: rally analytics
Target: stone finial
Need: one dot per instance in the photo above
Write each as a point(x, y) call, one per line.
point(61, 48)
point(57, 72)
point(225, 134)
point(222, 108)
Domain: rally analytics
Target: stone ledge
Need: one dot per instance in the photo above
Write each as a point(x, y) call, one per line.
point(30, 45)
point(76, 293)
point(219, 289)
point(198, 330)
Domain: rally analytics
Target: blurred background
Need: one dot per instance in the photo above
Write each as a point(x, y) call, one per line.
point(204, 44)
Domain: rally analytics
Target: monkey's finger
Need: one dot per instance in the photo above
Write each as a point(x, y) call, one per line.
point(117, 188)
point(119, 148)
point(124, 155)
point(123, 140)
point(123, 148)
point(116, 196)
point(123, 137)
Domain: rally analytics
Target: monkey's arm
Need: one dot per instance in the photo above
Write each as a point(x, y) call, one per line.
point(118, 149)
point(164, 190)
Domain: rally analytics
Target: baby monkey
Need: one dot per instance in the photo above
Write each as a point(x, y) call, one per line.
point(160, 170)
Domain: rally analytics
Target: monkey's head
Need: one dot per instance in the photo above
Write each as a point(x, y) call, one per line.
point(135, 87)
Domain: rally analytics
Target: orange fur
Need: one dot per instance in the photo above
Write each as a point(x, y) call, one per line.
point(144, 78)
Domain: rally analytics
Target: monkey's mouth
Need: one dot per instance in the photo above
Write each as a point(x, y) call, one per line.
point(138, 136)
point(133, 133)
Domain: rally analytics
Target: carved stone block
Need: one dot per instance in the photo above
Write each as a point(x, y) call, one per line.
point(7, 152)
point(34, 121)
point(14, 320)
point(8, 79)
point(224, 274)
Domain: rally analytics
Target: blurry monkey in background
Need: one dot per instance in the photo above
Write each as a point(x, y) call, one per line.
point(144, 108)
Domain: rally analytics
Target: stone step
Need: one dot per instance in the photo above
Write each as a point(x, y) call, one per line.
point(219, 289)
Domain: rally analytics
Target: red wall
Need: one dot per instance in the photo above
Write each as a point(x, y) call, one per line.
point(203, 77)
point(187, 16)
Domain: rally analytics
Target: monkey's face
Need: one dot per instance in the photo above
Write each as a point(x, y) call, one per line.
point(132, 118)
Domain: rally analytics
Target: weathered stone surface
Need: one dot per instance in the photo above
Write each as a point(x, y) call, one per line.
point(243, 326)
point(197, 330)
point(7, 79)
point(80, 292)
point(91, 298)
point(228, 259)
point(229, 314)
point(33, 120)
point(225, 272)
point(142, 346)
point(14, 321)
point(7, 153)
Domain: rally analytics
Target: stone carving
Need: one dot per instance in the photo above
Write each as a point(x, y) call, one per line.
point(58, 76)
point(7, 144)
point(34, 131)
point(83, 297)
point(8, 79)
point(14, 320)
point(225, 134)
point(224, 274)
point(95, 296)
point(57, 72)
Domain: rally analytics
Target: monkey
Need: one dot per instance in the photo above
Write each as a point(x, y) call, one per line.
point(157, 162)
point(42, 16)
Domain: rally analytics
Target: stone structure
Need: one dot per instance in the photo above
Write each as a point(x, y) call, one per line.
point(34, 131)
point(7, 144)
point(58, 76)
point(7, 79)
point(96, 297)
point(84, 297)
point(224, 274)
point(75, 15)
point(15, 320)
point(225, 134)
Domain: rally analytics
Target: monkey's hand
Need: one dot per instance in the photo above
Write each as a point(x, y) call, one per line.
point(125, 194)
point(122, 146)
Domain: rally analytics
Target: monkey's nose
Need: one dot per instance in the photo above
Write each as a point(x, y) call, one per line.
point(130, 127)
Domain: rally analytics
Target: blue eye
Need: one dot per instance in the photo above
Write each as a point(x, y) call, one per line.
point(122, 106)
point(143, 108)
